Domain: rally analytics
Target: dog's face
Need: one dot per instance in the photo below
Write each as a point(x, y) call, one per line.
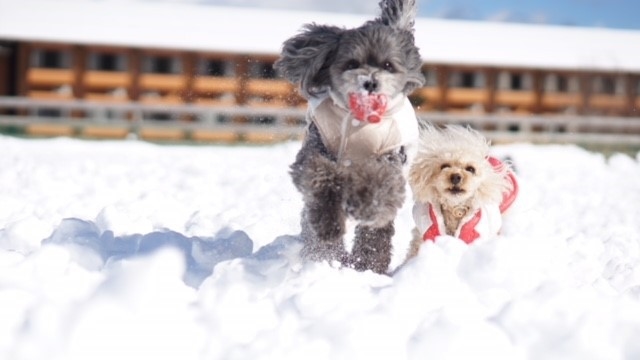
point(368, 65)
point(452, 169)
point(456, 180)
point(371, 61)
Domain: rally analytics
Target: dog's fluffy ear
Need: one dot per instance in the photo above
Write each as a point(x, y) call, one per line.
point(305, 58)
point(421, 176)
point(495, 184)
point(400, 14)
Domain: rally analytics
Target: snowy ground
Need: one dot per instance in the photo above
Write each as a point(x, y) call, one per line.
point(85, 273)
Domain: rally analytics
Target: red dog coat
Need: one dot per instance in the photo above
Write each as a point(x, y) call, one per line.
point(486, 221)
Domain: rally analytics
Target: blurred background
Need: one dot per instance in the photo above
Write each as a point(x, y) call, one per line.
point(541, 71)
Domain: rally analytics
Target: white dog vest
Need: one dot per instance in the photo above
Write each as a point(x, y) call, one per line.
point(350, 139)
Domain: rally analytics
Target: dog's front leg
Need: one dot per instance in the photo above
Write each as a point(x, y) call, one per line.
point(323, 218)
point(374, 193)
point(316, 175)
point(372, 248)
point(323, 228)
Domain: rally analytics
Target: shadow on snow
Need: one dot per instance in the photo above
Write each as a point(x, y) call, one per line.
point(96, 249)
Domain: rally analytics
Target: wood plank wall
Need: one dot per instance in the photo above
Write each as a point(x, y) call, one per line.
point(242, 89)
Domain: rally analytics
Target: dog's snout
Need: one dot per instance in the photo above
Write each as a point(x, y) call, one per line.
point(370, 85)
point(456, 179)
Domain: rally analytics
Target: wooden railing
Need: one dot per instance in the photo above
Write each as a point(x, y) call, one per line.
point(216, 84)
point(606, 101)
point(162, 82)
point(50, 77)
point(107, 79)
point(207, 123)
point(173, 89)
point(269, 87)
point(178, 122)
point(50, 95)
point(467, 96)
point(560, 100)
point(515, 98)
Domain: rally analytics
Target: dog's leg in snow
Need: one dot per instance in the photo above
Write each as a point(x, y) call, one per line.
point(372, 248)
point(319, 244)
point(374, 192)
point(323, 218)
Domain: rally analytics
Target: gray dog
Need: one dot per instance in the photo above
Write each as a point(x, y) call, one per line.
point(361, 132)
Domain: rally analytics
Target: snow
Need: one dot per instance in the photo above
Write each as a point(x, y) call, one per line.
point(208, 28)
point(129, 250)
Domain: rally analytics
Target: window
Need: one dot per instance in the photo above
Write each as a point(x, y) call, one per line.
point(559, 83)
point(261, 69)
point(162, 65)
point(551, 83)
point(515, 81)
point(431, 77)
point(607, 85)
point(467, 79)
point(52, 59)
point(563, 84)
point(215, 67)
point(107, 62)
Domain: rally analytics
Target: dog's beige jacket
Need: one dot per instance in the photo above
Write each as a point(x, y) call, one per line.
point(350, 139)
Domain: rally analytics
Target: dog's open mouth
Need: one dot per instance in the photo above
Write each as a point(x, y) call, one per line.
point(368, 107)
point(455, 190)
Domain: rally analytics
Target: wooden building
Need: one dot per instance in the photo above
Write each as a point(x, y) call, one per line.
point(163, 53)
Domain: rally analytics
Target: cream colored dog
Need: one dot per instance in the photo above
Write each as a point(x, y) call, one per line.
point(459, 190)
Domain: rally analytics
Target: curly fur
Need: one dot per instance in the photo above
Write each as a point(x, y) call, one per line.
point(328, 61)
point(398, 14)
point(458, 147)
point(370, 192)
point(317, 57)
point(454, 151)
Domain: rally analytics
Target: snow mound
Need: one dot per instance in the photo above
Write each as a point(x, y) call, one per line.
point(175, 252)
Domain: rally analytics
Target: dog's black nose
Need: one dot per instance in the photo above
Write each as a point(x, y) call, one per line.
point(455, 179)
point(370, 85)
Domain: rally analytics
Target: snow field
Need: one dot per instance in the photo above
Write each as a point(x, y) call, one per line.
point(130, 250)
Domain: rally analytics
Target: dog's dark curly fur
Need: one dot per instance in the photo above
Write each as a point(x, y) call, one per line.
point(369, 191)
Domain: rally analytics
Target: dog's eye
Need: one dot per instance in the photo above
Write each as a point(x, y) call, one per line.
point(352, 64)
point(388, 66)
point(470, 169)
point(444, 166)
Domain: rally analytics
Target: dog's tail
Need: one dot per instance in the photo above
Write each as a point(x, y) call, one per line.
point(400, 14)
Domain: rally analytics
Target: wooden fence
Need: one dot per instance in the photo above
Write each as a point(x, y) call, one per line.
point(263, 124)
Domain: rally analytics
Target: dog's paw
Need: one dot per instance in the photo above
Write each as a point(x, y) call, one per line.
point(325, 251)
point(374, 192)
point(372, 249)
